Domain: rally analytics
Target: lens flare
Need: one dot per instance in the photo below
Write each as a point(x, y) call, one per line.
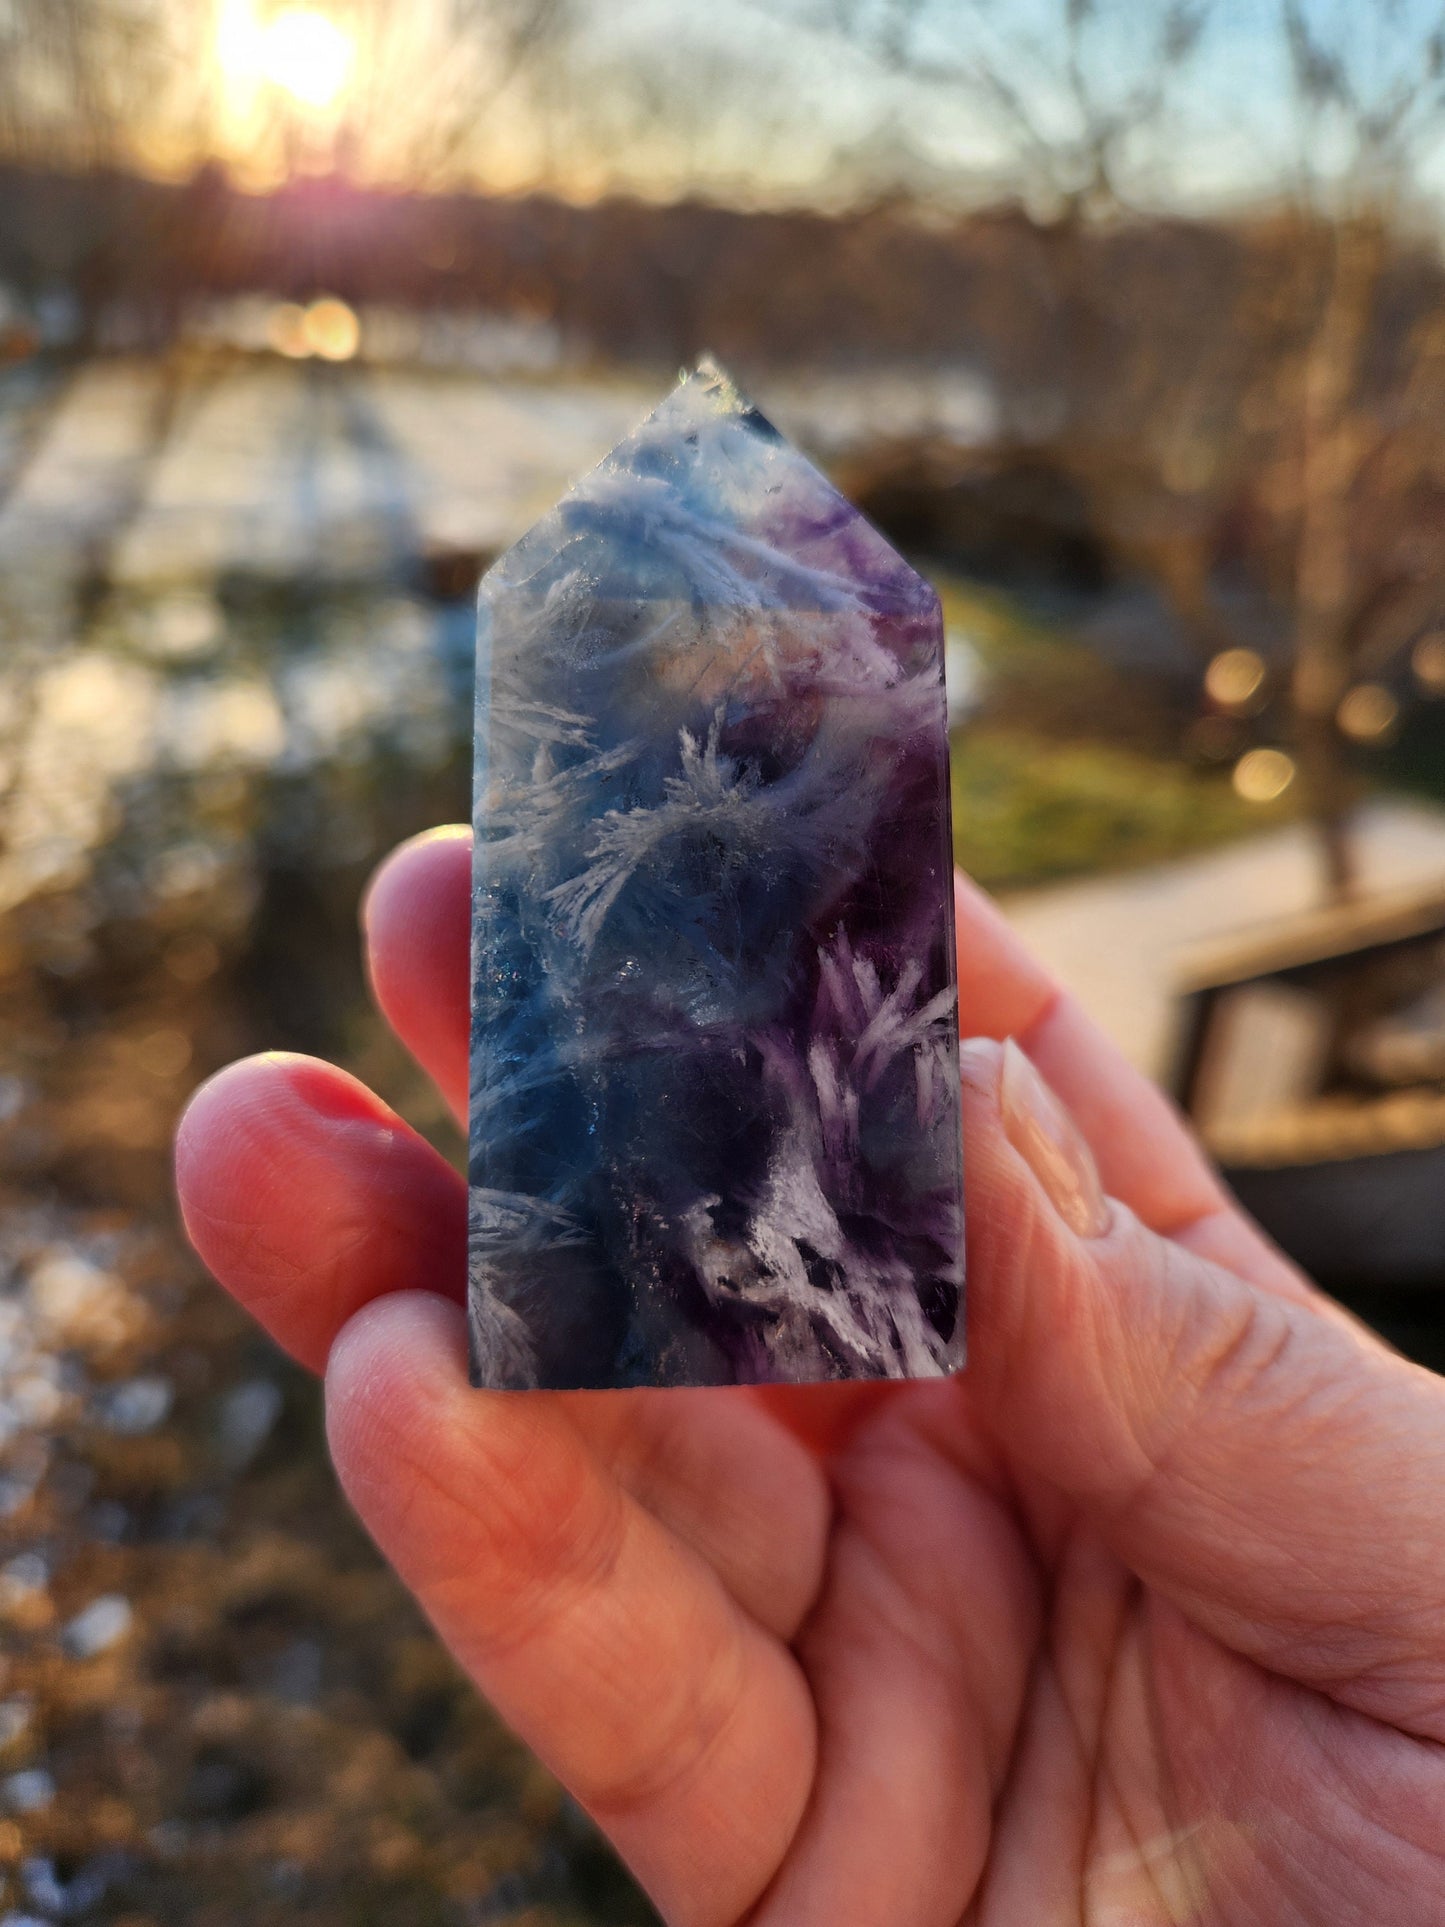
point(1368, 713)
point(331, 329)
point(328, 329)
point(286, 331)
point(1234, 678)
point(1261, 775)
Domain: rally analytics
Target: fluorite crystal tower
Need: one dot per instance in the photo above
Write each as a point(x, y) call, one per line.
point(715, 1104)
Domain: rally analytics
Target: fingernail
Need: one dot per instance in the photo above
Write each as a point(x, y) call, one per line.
point(1050, 1144)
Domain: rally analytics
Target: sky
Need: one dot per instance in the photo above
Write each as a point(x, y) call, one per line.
point(764, 100)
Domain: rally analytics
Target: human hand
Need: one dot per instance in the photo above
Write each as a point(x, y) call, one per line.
point(1139, 1621)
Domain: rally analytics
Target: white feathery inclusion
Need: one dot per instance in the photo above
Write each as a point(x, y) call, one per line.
point(715, 1128)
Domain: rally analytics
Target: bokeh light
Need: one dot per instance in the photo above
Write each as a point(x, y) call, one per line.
point(1214, 739)
point(328, 329)
point(163, 1053)
point(1368, 713)
point(331, 329)
point(1428, 662)
point(1261, 775)
point(1235, 678)
point(286, 331)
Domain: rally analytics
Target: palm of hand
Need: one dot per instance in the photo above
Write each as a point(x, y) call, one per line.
point(1114, 1764)
point(1138, 1623)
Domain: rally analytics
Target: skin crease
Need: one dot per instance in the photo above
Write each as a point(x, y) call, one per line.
point(1139, 1622)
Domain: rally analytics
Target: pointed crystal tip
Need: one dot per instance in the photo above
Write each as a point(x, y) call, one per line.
point(717, 378)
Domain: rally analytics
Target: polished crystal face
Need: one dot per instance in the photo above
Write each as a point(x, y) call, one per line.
point(714, 1059)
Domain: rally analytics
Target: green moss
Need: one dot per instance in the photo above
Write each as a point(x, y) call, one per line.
point(1003, 630)
point(1027, 808)
point(1074, 765)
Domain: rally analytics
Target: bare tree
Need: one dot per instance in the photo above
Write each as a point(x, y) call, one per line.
point(1336, 384)
point(1310, 406)
point(428, 79)
point(79, 77)
point(1073, 94)
point(1369, 88)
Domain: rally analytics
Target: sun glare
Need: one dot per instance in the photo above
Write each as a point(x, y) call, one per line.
point(307, 55)
point(300, 51)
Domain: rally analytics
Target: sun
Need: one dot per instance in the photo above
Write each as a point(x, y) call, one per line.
point(299, 51)
point(307, 55)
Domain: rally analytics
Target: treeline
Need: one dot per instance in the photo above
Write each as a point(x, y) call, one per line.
point(622, 279)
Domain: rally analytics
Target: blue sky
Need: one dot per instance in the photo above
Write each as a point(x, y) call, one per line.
point(788, 100)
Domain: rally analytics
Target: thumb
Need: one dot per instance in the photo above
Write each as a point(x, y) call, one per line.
point(1261, 1461)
